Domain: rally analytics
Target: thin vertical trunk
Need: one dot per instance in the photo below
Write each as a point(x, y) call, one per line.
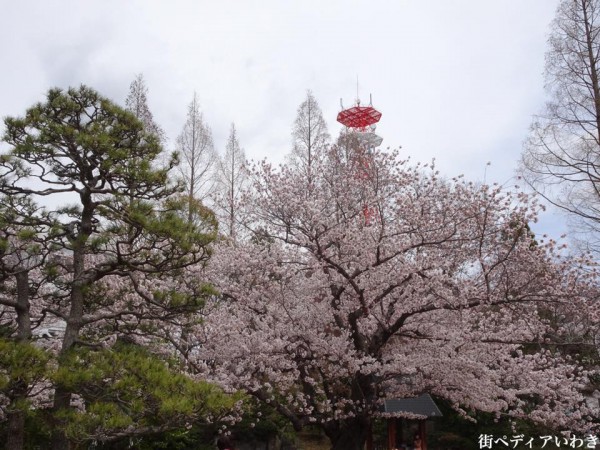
point(309, 148)
point(593, 66)
point(23, 316)
point(15, 439)
point(192, 168)
point(191, 202)
point(18, 392)
point(392, 433)
point(231, 192)
point(62, 395)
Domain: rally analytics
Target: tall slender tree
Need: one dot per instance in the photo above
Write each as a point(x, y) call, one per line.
point(309, 135)
point(198, 158)
point(560, 159)
point(23, 253)
point(232, 176)
point(137, 103)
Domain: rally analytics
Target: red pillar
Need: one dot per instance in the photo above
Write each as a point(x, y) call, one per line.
point(369, 445)
point(391, 423)
point(423, 434)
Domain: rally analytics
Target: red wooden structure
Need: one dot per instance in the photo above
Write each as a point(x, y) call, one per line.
point(397, 435)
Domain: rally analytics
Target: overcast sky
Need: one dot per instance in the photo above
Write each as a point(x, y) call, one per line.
point(456, 80)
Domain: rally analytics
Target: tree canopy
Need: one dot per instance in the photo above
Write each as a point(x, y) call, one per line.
point(104, 258)
point(386, 280)
point(309, 135)
point(560, 157)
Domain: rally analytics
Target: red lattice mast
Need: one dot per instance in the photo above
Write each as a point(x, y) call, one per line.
point(359, 117)
point(361, 121)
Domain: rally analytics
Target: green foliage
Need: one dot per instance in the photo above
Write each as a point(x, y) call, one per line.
point(22, 362)
point(192, 300)
point(37, 430)
point(128, 386)
point(76, 120)
point(130, 215)
point(80, 142)
point(26, 233)
point(196, 438)
point(260, 423)
point(6, 331)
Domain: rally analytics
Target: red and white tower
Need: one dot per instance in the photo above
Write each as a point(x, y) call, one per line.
point(361, 121)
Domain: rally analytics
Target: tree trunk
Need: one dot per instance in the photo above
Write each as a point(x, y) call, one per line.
point(18, 391)
point(22, 309)
point(593, 66)
point(62, 401)
point(348, 434)
point(16, 430)
point(62, 396)
point(16, 417)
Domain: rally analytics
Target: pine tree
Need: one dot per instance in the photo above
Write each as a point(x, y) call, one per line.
point(126, 232)
point(24, 251)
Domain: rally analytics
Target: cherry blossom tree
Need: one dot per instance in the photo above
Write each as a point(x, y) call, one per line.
point(385, 281)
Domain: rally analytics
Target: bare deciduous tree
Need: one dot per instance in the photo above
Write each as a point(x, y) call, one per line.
point(232, 175)
point(195, 147)
point(137, 103)
point(561, 156)
point(310, 135)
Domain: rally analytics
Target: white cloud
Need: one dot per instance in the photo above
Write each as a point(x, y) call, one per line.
point(458, 81)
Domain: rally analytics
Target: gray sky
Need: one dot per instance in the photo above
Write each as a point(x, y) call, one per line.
point(456, 80)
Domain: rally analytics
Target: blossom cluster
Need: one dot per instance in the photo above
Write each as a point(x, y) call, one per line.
point(441, 289)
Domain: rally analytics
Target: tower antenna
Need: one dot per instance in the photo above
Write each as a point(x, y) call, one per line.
point(360, 124)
